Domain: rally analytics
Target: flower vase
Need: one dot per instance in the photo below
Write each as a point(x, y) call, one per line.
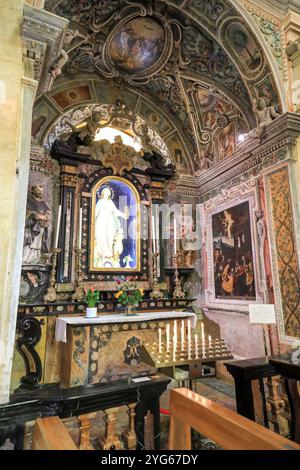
point(130, 310)
point(91, 312)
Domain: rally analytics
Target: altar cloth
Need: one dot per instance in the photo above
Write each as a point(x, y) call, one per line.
point(62, 322)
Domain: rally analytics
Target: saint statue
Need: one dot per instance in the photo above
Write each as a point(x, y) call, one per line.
point(36, 227)
point(109, 234)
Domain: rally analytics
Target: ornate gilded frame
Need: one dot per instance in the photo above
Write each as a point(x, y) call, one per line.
point(88, 200)
point(246, 193)
point(102, 181)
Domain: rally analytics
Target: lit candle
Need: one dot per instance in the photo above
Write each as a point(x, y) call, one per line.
point(209, 342)
point(175, 332)
point(168, 337)
point(196, 347)
point(203, 339)
point(57, 227)
point(159, 340)
point(202, 332)
point(182, 335)
point(80, 228)
point(153, 235)
point(175, 236)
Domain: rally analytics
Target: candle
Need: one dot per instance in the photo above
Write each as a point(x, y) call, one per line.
point(196, 347)
point(189, 350)
point(202, 331)
point(57, 227)
point(175, 237)
point(168, 337)
point(175, 332)
point(159, 340)
point(153, 235)
point(203, 339)
point(174, 349)
point(209, 342)
point(80, 228)
point(182, 335)
point(189, 339)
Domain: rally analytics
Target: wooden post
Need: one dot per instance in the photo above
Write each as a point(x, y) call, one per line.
point(111, 440)
point(129, 436)
point(84, 431)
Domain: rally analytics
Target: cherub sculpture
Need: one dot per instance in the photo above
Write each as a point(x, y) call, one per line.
point(58, 65)
point(265, 114)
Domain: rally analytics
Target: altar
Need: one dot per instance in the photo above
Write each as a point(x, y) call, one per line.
point(108, 348)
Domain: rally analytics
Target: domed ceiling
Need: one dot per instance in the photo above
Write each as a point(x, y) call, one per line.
point(195, 61)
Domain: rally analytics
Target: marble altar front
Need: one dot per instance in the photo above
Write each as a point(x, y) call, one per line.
point(108, 348)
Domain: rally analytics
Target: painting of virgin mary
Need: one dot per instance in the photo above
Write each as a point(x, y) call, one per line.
point(115, 226)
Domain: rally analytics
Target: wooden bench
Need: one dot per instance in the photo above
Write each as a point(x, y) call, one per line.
point(226, 428)
point(51, 434)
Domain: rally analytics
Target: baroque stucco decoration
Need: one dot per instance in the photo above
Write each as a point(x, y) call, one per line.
point(195, 44)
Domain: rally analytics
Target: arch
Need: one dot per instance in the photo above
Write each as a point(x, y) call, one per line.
point(274, 68)
point(51, 108)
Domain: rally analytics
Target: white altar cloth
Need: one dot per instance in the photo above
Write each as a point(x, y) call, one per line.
point(62, 322)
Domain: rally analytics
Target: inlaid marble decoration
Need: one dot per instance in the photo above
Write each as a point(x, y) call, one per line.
point(286, 256)
point(138, 44)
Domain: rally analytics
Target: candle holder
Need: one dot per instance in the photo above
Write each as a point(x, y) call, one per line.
point(79, 291)
point(178, 292)
point(51, 294)
point(156, 292)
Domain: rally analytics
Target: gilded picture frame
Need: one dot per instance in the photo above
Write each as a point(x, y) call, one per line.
point(115, 234)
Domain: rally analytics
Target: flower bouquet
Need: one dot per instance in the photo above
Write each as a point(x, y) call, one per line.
point(91, 298)
point(129, 294)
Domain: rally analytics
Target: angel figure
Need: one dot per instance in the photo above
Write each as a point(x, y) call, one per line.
point(265, 114)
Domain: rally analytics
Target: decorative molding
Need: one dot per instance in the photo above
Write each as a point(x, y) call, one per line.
point(43, 35)
point(252, 156)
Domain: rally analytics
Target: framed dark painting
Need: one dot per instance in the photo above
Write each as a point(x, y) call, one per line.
point(233, 265)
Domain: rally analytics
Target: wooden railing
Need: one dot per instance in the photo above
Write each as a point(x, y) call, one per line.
point(51, 434)
point(226, 428)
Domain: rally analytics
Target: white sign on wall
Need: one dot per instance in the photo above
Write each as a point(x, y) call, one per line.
point(263, 314)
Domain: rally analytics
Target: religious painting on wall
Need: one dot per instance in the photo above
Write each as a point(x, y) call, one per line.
point(244, 46)
point(115, 228)
point(138, 44)
point(233, 254)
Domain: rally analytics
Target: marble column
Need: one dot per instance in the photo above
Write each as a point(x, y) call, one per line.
point(18, 94)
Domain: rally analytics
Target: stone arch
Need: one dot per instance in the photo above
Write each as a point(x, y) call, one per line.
point(70, 95)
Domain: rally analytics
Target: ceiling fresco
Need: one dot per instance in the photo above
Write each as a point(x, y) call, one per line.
point(197, 60)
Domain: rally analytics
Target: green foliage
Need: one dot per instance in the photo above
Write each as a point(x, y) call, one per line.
point(129, 293)
point(91, 297)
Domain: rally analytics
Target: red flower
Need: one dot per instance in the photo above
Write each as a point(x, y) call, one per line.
point(118, 281)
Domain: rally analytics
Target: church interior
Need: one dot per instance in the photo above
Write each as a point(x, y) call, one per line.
point(150, 241)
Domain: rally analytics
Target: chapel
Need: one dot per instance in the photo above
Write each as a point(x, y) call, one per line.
point(150, 214)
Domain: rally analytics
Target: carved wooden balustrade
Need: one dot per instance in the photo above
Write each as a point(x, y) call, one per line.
point(43, 433)
point(261, 394)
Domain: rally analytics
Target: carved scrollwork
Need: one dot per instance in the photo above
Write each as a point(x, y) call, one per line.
point(31, 329)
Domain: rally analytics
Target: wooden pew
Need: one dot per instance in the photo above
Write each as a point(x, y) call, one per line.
point(51, 434)
point(226, 428)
